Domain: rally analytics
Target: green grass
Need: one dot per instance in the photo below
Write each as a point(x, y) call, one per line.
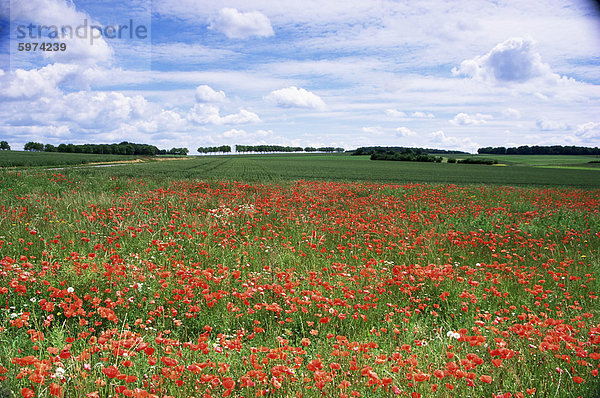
point(520, 170)
point(267, 168)
point(98, 233)
point(33, 159)
point(547, 160)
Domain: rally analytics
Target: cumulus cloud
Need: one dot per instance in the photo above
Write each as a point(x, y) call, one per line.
point(205, 93)
point(62, 13)
point(293, 97)
point(440, 139)
point(463, 119)
point(514, 60)
point(587, 131)
point(550, 125)
point(34, 83)
point(241, 25)
point(107, 109)
point(395, 113)
point(210, 114)
point(405, 132)
point(511, 113)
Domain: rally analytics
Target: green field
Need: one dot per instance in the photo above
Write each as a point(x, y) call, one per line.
point(276, 168)
point(519, 170)
point(34, 159)
point(549, 161)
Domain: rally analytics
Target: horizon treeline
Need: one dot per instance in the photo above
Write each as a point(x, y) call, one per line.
point(540, 150)
point(123, 148)
point(279, 148)
point(391, 150)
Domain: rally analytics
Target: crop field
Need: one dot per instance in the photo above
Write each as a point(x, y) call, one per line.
point(37, 159)
point(342, 167)
point(550, 161)
point(114, 285)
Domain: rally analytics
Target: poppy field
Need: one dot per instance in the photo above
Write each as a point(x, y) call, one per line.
point(133, 287)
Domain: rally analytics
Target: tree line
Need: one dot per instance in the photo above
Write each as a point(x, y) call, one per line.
point(406, 157)
point(123, 148)
point(279, 148)
point(390, 150)
point(129, 148)
point(540, 150)
point(214, 149)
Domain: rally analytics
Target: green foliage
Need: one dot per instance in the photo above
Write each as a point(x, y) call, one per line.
point(477, 161)
point(178, 151)
point(540, 150)
point(406, 157)
point(4, 146)
point(369, 150)
point(279, 148)
point(215, 149)
point(33, 146)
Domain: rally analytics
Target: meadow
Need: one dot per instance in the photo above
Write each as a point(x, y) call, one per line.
point(245, 277)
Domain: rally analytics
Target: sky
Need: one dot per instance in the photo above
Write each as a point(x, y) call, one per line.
point(343, 73)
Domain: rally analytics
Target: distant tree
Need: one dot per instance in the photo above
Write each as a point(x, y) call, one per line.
point(4, 146)
point(49, 148)
point(179, 151)
point(540, 150)
point(34, 146)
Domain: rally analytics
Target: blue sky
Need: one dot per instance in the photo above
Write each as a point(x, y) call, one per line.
point(344, 73)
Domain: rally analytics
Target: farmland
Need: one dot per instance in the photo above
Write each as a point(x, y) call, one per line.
point(520, 170)
point(43, 159)
point(270, 276)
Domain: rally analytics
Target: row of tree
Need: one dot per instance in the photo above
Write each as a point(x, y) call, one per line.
point(370, 150)
point(123, 148)
point(214, 149)
point(279, 148)
point(540, 150)
point(406, 157)
point(128, 148)
point(473, 161)
point(4, 146)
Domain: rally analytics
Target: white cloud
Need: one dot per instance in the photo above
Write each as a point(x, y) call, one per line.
point(373, 130)
point(234, 133)
point(422, 115)
point(241, 25)
point(463, 119)
point(210, 114)
point(26, 84)
point(205, 93)
point(405, 132)
point(514, 60)
point(588, 131)
point(511, 113)
point(440, 139)
point(549, 125)
point(395, 113)
point(240, 133)
point(80, 50)
point(293, 97)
